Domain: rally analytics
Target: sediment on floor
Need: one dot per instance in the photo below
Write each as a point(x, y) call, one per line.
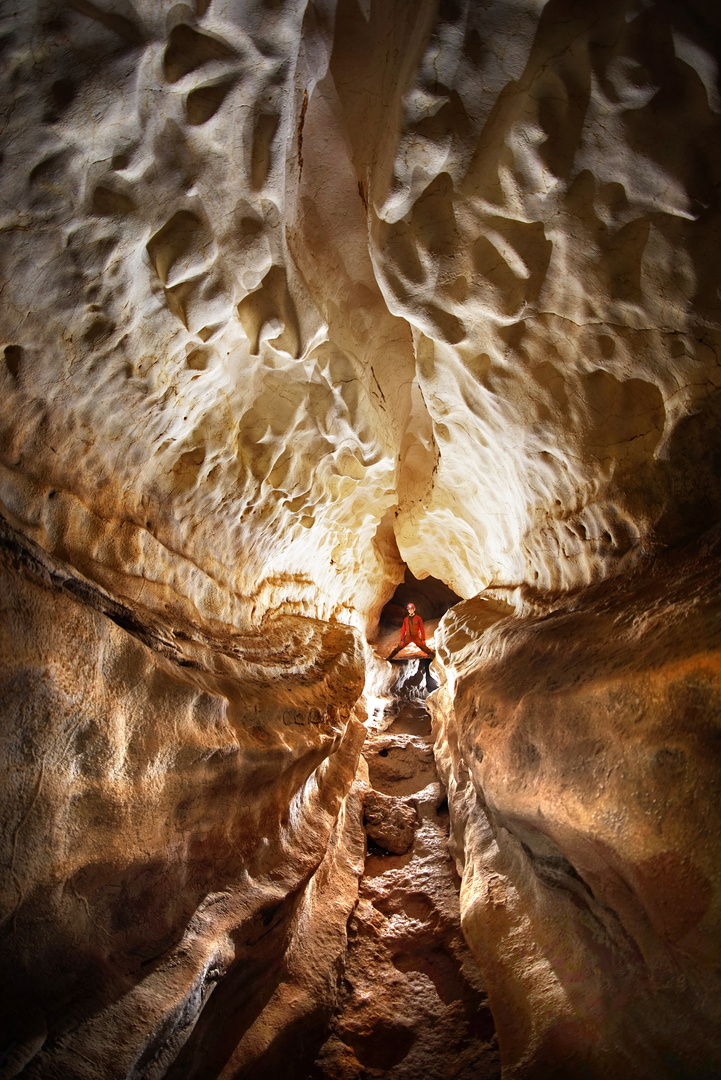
point(412, 1003)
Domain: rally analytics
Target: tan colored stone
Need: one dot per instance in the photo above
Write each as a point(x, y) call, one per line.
point(412, 1003)
point(580, 751)
point(167, 835)
point(295, 295)
point(389, 822)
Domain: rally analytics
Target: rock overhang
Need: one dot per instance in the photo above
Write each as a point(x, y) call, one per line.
point(283, 315)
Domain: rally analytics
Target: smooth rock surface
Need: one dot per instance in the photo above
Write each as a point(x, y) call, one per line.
point(180, 818)
point(581, 748)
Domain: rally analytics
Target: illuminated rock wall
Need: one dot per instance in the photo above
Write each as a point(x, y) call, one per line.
point(286, 284)
point(581, 748)
point(295, 294)
point(206, 391)
point(180, 814)
point(550, 226)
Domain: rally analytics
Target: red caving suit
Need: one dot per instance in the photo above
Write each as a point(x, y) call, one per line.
point(412, 630)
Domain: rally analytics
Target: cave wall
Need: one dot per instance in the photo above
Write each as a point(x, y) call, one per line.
point(549, 228)
point(458, 258)
point(296, 295)
point(179, 812)
point(581, 748)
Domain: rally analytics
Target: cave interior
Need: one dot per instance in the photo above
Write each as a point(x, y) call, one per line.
point(311, 308)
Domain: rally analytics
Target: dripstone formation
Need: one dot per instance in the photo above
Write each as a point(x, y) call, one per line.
point(300, 297)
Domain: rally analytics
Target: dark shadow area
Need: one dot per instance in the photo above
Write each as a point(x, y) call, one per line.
point(239, 1000)
point(412, 722)
point(387, 1045)
point(432, 598)
point(414, 678)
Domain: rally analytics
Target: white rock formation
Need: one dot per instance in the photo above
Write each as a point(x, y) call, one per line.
point(297, 293)
point(284, 282)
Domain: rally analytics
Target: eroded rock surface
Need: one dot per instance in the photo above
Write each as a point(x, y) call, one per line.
point(290, 287)
point(180, 818)
point(412, 1003)
point(295, 293)
point(581, 749)
point(389, 822)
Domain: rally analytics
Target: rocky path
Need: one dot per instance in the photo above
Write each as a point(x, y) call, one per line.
point(412, 1003)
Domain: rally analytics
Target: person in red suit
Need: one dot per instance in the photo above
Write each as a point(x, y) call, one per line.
point(412, 630)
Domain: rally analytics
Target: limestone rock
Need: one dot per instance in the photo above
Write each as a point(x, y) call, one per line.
point(580, 748)
point(412, 1003)
point(389, 822)
point(295, 294)
point(289, 289)
point(168, 835)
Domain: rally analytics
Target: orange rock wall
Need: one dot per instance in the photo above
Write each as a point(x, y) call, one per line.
point(293, 291)
point(179, 816)
point(581, 747)
point(295, 295)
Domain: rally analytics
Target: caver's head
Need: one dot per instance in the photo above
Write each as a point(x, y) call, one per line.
point(411, 609)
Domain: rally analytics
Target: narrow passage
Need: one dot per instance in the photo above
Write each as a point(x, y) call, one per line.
point(412, 1003)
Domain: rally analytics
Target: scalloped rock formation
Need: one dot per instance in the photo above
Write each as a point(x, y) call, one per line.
point(298, 295)
point(286, 281)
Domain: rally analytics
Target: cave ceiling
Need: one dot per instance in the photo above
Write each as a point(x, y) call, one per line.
point(298, 293)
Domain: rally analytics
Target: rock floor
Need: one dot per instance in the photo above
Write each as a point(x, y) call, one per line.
point(412, 1002)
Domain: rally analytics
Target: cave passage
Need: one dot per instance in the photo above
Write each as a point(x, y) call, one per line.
point(412, 998)
point(432, 598)
point(300, 295)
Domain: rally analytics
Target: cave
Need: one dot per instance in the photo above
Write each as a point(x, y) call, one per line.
point(431, 598)
point(312, 308)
